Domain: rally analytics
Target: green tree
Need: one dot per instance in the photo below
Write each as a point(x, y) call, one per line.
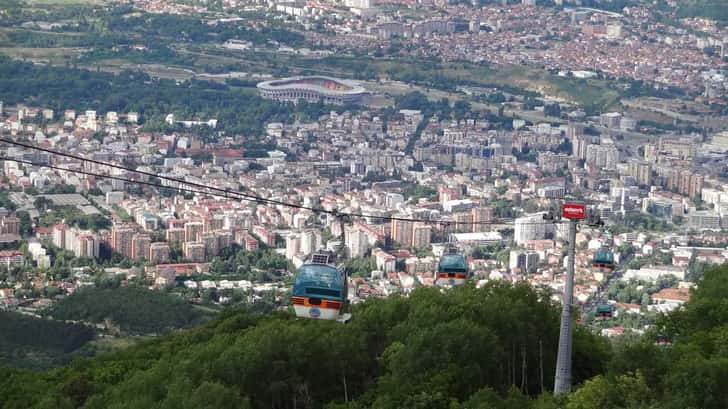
point(629, 391)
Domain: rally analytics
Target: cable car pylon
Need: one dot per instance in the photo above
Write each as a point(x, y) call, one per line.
point(574, 212)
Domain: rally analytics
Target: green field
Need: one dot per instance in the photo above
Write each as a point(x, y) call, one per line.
point(56, 56)
point(64, 2)
point(595, 93)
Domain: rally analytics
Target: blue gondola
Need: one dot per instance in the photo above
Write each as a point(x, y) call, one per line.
point(603, 260)
point(604, 311)
point(452, 270)
point(320, 291)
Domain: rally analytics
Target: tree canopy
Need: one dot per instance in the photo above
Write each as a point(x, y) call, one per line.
point(433, 349)
point(493, 347)
point(133, 309)
point(129, 91)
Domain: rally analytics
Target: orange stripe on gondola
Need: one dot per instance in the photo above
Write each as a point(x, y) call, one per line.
point(452, 275)
point(306, 302)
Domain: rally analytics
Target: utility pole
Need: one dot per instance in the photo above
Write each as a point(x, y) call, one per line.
point(574, 212)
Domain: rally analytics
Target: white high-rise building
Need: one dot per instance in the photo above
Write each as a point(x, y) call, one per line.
point(310, 242)
point(602, 156)
point(532, 227)
point(356, 242)
point(293, 246)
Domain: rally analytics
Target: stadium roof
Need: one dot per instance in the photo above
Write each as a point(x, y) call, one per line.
point(346, 87)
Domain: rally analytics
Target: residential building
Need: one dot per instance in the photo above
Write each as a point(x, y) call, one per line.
point(310, 241)
point(641, 171)
point(194, 251)
point(527, 228)
point(9, 225)
point(175, 234)
point(602, 156)
point(482, 215)
point(356, 241)
point(293, 246)
point(159, 252)
point(86, 245)
point(140, 244)
point(402, 231)
point(210, 241)
point(704, 220)
point(193, 231)
point(653, 273)
point(526, 261)
point(421, 235)
point(59, 235)
point(266, 236)
point(11, 258)
point(121, 240)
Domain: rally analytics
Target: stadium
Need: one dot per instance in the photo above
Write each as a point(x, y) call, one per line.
point(314, 89)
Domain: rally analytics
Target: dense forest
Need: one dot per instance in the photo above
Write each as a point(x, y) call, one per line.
point(135, 310)
point(42, 339)
point(492, 347)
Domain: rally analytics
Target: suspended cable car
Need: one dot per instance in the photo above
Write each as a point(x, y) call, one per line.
point(320, 290)
point(663, 340)
point(604, 311)
point(452, 270)
point(603, 260)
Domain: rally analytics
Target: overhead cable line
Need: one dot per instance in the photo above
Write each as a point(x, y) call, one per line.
point(220, 192)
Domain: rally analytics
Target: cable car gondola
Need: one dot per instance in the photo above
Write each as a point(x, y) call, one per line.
point(452, 270)
point(663, 340)
point(604, 311)
point(320, 290)
point(603, 260)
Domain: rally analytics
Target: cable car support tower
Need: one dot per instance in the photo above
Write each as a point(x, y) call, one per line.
point(574, 212)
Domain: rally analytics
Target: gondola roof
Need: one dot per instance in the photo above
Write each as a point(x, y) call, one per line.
point(319, 275)
point(453, 261)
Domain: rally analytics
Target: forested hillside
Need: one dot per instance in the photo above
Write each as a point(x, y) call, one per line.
point(135, 310)
point(25, 339)
point(713, 9)
point(465, 348)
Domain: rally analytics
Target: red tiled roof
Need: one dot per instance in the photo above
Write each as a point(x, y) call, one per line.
point(672, 294)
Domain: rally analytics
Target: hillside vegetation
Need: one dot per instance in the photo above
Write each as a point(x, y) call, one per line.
point(26, 340)
point(713, 9)
point(135, 310)
point(465, 348)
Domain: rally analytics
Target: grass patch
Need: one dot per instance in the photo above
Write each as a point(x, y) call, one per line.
point(56, 56)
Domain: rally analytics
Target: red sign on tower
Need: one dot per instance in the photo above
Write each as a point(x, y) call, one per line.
point(573, 211)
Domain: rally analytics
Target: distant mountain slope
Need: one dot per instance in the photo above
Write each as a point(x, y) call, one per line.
point(714, 9)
